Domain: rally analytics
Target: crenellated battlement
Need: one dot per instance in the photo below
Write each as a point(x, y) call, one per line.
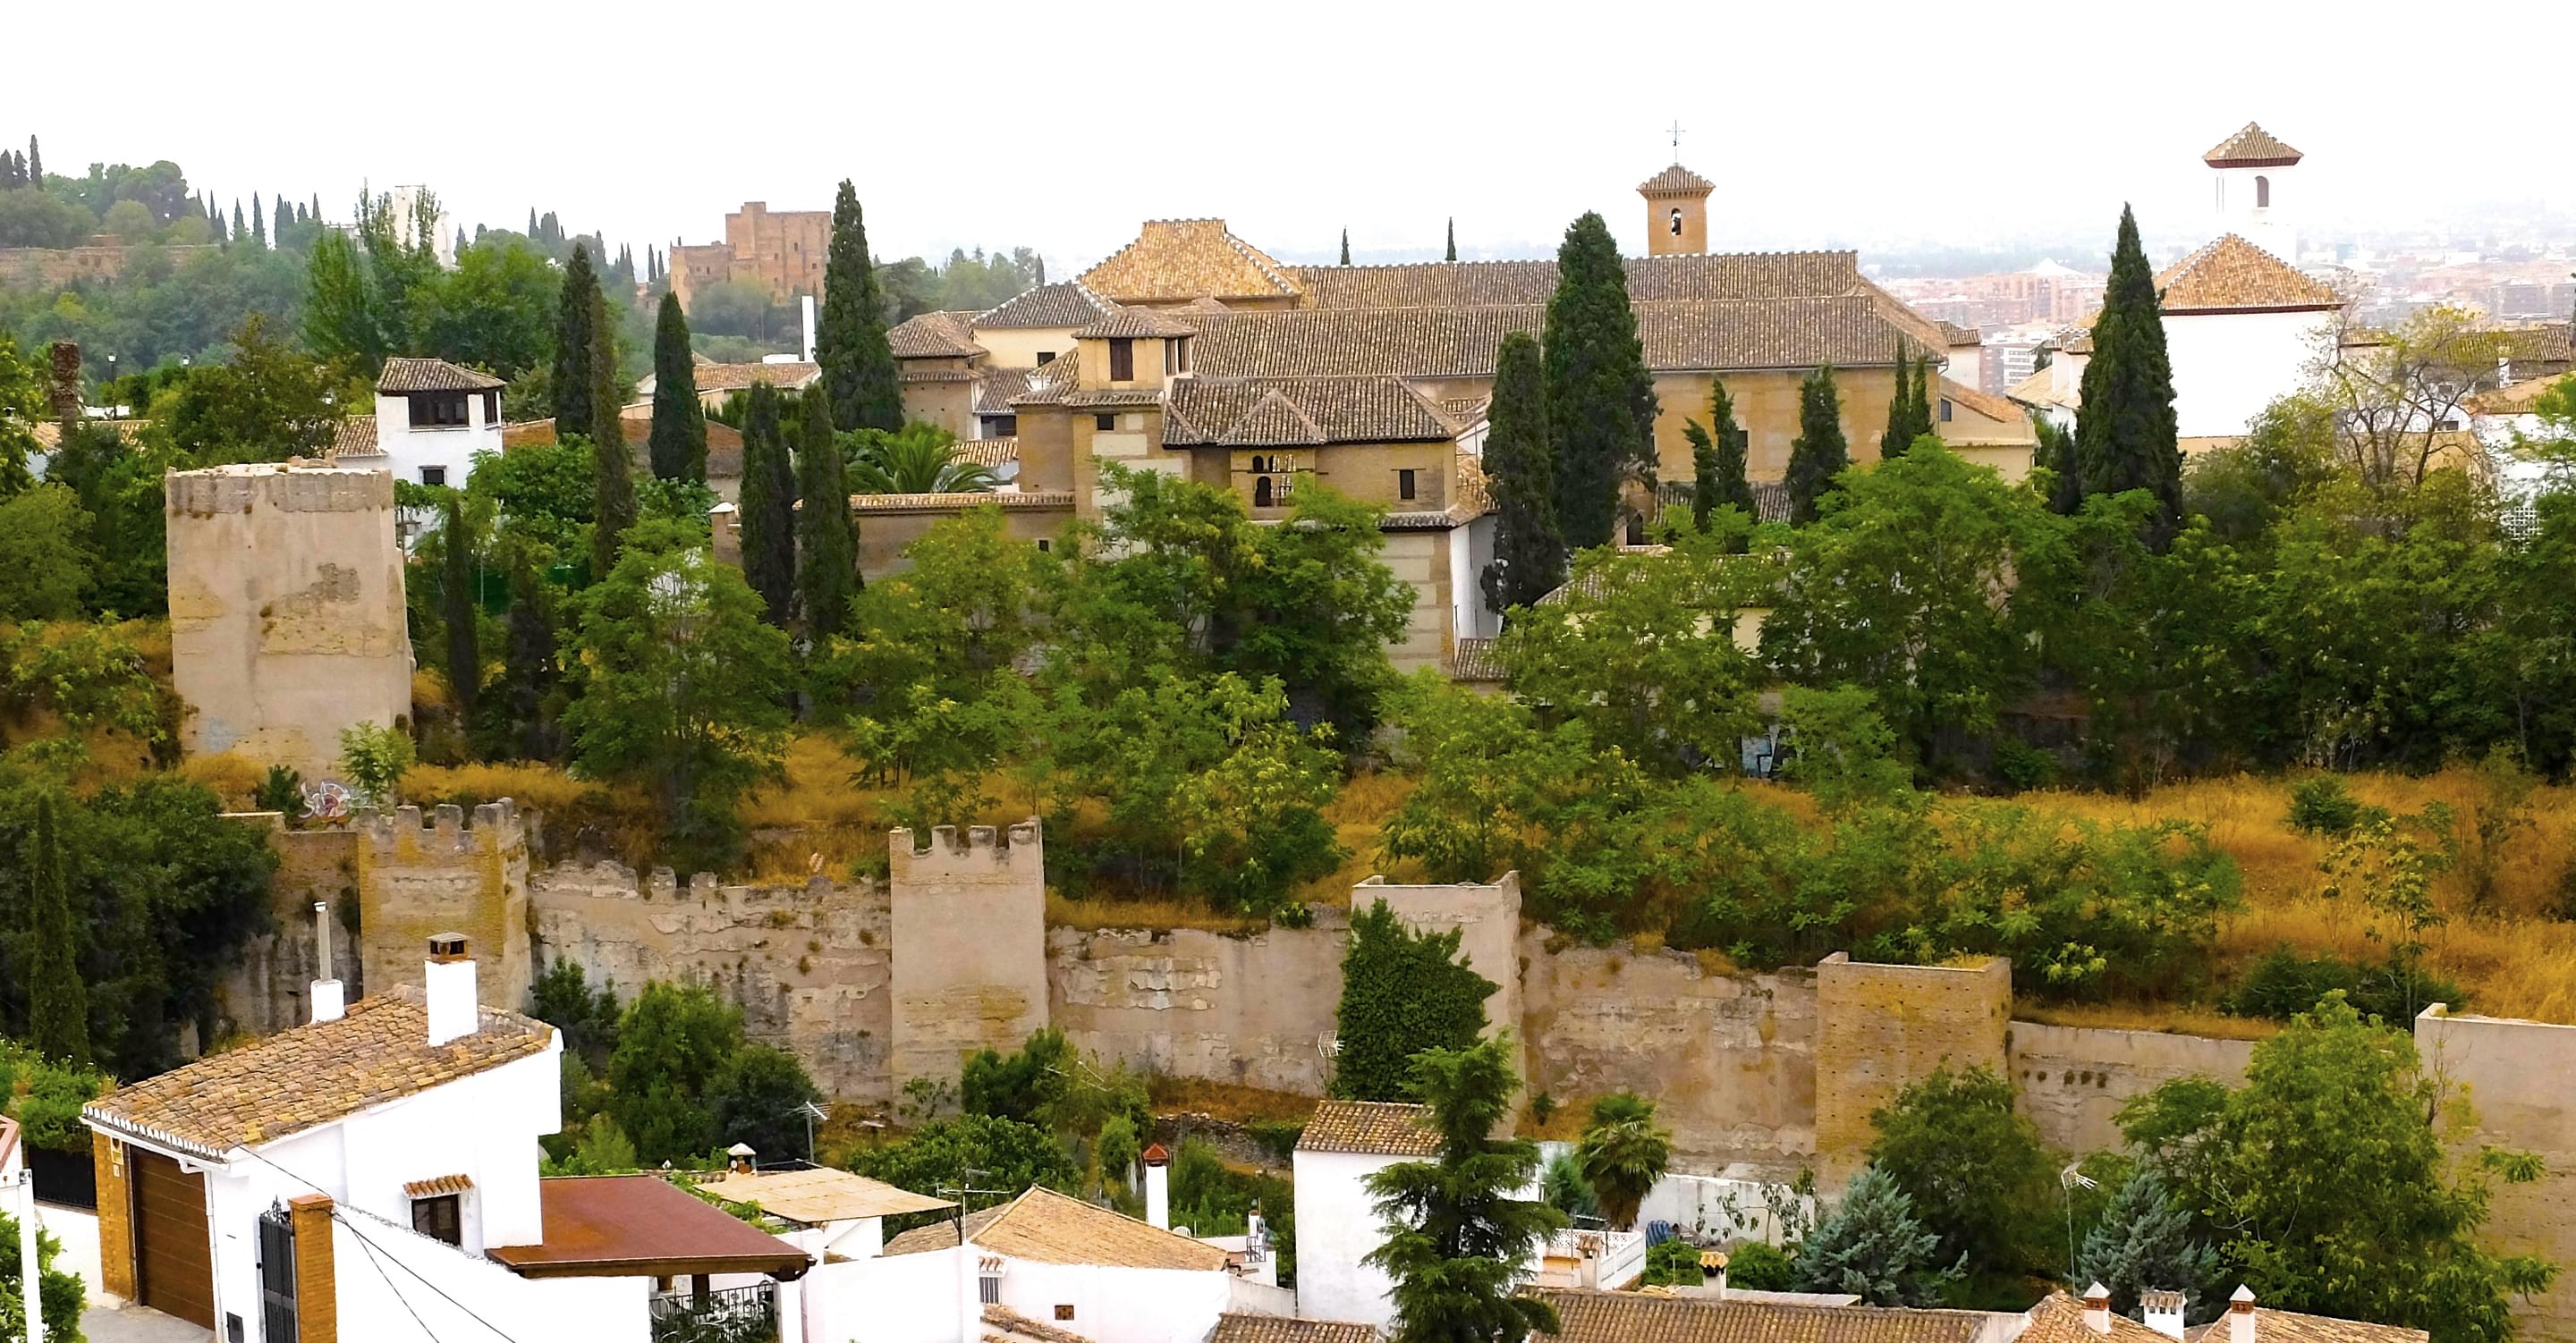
point(984, 854)
point(496, 827)
point(290, 487)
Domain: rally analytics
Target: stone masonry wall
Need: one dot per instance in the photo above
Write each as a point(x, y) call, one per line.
point(2074, 1079)
point(417, 880)
point(1190, 1003)
point(970, 917)
point(1881, 1027)
point(810, 966)
point(269, 986)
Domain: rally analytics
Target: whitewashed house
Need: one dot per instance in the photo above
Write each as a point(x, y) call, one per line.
point(431, 418)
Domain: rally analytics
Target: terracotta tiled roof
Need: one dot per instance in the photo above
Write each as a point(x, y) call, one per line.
point(1200, 304)
point(2059, 1318)
point(1051, 1228)
point(431, 375)
point(1677, 181)
point(2538, 351)
point(2289, 1326)
point(2252, 147)
point(1176, 260)
point(1960, 335)
point(1050, 385)
point(1631, 1317)
point(995, 388)
point(731, 377)
point(821, 1195)
point(1474, 660)
point(1294, 412)
point(1234, 1328)
point(1136, 322)
point(989, 451)
point(942, 1235)
point(354, 436)
point(2231, 274)
point(1370, 1128)
point(49, 433)
point(1115, 396)
point(934, 335)
point(932, 503)
point(1983, 402)
point(2034, 391)
point(444, 1184)
point(1846, 331)
point(1005, 1325)
point(311, 1075)
point(1064, 303)
point(1651, 279)
point(724, 442)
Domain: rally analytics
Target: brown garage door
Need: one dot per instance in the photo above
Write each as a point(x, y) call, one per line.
point(170, 1251)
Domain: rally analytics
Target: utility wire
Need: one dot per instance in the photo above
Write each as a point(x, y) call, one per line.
point(337, 1216)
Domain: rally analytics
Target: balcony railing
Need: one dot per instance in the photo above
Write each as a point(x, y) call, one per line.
point(734, 1315)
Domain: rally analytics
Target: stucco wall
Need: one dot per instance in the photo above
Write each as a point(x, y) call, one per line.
point(1254, 1010)
point(1337, 1226)
point(2074, 1079)
point(1881, 1027)
point(2520, 1080)
point(2228, 366)
point(969, 913)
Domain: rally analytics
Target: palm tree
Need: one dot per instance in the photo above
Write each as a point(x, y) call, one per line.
point(916, 459)
point(1623, 1152)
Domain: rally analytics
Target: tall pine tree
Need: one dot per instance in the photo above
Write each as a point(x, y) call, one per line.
point(613, 493)
point(1520, 471)
point(258, 223)
point(457, 606)
point(850, 335)
point(679, 443)
point(35, 163)
point(1732, 442)
point(768, 506)
point(2056, 451)
point(2125, 438)
point(574, 332)
point(1820, 452)
point(1346, 247)
point(529, 669)
point(1899, 434)
point(827, 560)
point(241, 231)
point(57, 999)
point(1600, 399)
point(1453, 240)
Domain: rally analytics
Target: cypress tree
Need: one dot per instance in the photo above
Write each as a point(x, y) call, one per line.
point(35, 163)
point(240, 230)
point(1704, 484)
point(573, 338)
point(1922, 400)
point(456, 603)
point(827, 558)
point(1520, 469)
point(528, 664)
point(1731, 442)
point(1899, 434)
point(1600, 400)
point(215, 218)
point(679, 443)
point(850, 334)
point(1346, 247)
point(283, 216)
point(1453, 240)
point(258, 224)
point(1820, 452)
point(613, 500)
point(2056, 451)
point(2125, 438)
point(768, 506)
point(313, 212)
point(57, 999)
point(532, 223)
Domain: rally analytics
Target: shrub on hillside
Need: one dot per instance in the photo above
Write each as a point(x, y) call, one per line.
point(2285, 983)
point(2325, 805)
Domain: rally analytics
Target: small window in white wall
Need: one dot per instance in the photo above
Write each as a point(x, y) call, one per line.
point(1945, 410)
point(2262, 192)
point(433, 475)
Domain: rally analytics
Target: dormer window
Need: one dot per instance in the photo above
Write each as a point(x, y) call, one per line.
point(1122, 359)
point(1178, 360)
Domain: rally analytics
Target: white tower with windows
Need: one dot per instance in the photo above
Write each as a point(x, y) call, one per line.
point(2252, 169)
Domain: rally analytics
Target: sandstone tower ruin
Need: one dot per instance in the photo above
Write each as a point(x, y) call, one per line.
point(970, 916)
point(286, 610)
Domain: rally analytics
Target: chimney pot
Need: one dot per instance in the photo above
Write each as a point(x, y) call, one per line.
point(2240, 1315)
point(2097, 1308)
point(2162, 1312)
point(1158, 1186)
point(330, 1000)
point(1719, 1271)
point(448, 983)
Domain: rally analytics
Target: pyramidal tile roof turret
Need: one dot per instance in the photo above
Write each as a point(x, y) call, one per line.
point(2252, 147)
point(1676, 181)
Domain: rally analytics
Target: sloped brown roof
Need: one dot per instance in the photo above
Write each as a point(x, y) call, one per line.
point(996, 387)
point(1370, 1128)
point(1651, 279)
point(2059, 1318)
point(1048, 385)
point(1847, 331)
point(941, 1235)
point(1983, 402)
point(990, 451)
point(2289, 1326)
point(1234, 1328)
point(431, 375)
point(724, 442)
point(49, 433)
point(444, 1184)
point(1676, 181)
point(2035, 391)
point(311, 1075)
point(820, 1195)
point(1631, 1317)
point(2230, 274)
point(1064, 303)
point(2252, 147)
point(732, 377)
point(1293, 412)
point(1176, 260)
point(601, 1226)
point(1960, 335)
point(935, 335)
point(1005, 1325)
point(1051, 1228)
point(1474, 660)
point(354, 436)
point(2538, 351)
point(959, 502)
point(1135, 323)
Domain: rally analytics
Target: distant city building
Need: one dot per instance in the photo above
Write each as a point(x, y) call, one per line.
point(442, 230)
point(780, 251)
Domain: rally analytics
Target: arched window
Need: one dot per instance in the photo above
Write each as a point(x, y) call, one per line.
point(1261, 492)
point(1257, 467)
point(1677, 221)
point(1636, 529)
point(2262, 192)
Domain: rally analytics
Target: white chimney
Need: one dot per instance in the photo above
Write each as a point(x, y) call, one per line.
point(1158, 1186)
point(2162, 1311)
point(2097, 1308)
point(809, 328)
point(1720, 1283)
point(1256, 1235)
point(330, 1002)
point(2240, 1315)
point(448, 979)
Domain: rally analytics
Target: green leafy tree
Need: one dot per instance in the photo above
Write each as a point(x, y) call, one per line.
point(456, 600)
point(2327, 1179)
point(1023, 1085)
point(271, 402)
point(544, 494)
point(530, 673)
point(1252, 822)
point(2054, 448)
point(850, 336)
point(1672, 1263)
point(1563, 1186)
point(768, 506)
point(673, 1045)
point(679, 441)
point(827, 544)
point(1820, 452)
point(1402, 993)
point(1003, 1153)
point(684, 686)
point(2145, 1242)
point(613, 507)
point(1622, 1153)
point(61, 1294)
point(759, 1097)
point(562, 998)
point(1972, 1166)
point(1456, 1232)
point(375, 757)
point(2125, 439)
point(1873, 1248)
point(577, 336)
point(57, 998)
point(1600, 399)
point(1520, 469)
point(46, 558)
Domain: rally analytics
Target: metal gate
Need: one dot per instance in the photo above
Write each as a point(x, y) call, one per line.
point(277, 1322)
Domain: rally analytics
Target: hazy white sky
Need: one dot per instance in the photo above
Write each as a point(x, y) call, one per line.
point(1003, 124)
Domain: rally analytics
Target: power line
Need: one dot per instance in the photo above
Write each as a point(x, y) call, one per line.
point(370, 1247)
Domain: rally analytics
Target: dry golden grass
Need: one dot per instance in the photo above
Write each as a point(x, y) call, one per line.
point(1229, 1101)
point(1090, 913)
point(231, 778)
point(2165, 1017)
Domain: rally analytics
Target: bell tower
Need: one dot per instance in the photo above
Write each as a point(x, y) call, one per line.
point(1676, 212)
point(2252, 167)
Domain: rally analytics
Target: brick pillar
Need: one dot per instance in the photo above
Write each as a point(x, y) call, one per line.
point(115, 1216)
point(317, 1294)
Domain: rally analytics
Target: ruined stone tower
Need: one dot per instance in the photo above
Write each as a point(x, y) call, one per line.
point(286, 610)
point(969, 926)
point(446, 876)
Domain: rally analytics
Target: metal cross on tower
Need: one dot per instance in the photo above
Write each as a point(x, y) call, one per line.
point(1677, 141)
